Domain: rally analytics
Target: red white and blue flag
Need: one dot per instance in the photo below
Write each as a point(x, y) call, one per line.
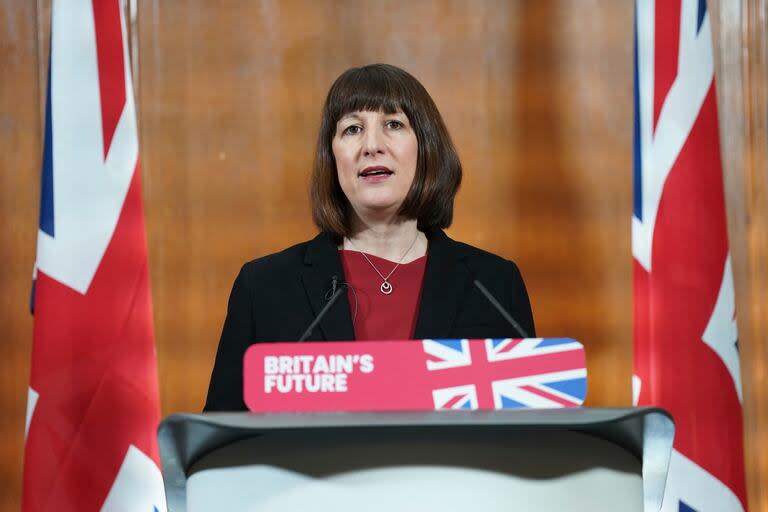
point(549, 376)
point(686, 342)
point(93, 399)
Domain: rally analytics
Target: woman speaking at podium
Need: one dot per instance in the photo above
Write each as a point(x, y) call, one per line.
point(384, 179)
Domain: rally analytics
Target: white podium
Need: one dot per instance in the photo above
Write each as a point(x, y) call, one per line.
point(539, 460)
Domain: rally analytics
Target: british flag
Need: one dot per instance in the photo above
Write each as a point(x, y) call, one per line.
point(506, 373)
point(93, 405)
point(686, 342)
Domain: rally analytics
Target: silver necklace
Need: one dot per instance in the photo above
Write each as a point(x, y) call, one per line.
point(386, 286)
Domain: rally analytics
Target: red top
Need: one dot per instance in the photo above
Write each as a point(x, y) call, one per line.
point(380, 316)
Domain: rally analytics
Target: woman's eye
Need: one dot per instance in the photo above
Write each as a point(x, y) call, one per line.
point(395, 125)
point(351, 130)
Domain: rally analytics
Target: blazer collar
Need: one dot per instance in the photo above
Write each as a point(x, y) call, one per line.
point(446, 283)
point(321, 263)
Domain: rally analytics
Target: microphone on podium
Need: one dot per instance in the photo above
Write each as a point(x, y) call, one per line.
point(337, 291)
point(501, 309)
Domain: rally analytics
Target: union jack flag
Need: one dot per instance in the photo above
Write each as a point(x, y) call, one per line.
point(506, 373)
point(686, 342)
point(93, 404)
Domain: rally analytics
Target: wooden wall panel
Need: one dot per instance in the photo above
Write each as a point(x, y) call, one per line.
point(20, 152)
point(755, 354)
point(754, 303)
point(537, 95)
point(740, 31)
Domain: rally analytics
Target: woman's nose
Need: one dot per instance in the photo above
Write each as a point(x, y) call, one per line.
point(373, 142)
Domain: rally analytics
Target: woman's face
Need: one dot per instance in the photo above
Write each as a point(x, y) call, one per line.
point(376, 157)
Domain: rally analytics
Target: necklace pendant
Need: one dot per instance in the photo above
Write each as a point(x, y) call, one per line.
point(386, 288)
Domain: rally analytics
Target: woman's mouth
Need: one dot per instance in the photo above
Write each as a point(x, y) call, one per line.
point(375, 174)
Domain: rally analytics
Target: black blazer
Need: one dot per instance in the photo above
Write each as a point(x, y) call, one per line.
point(276, 297)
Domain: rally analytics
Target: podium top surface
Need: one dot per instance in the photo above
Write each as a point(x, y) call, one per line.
point(523, 418)
point(646, 433)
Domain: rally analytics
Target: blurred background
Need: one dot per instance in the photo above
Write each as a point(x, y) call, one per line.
point(537, 95)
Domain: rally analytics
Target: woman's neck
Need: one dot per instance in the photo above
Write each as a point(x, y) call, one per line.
point(391, 241)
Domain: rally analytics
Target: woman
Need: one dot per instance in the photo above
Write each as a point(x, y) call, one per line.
point(383, 183)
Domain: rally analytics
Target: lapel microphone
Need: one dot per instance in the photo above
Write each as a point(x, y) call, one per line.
point(337, 291)
point(500, 309)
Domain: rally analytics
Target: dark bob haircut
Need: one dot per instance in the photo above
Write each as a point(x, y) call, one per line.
point(382, 87)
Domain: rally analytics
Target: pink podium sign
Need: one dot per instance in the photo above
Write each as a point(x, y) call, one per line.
point(413, 375)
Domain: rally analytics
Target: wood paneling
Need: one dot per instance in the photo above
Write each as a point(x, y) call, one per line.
point(537, 95)
point(20, 150)
point(755, 353)
point(740, 31)
point(230, 99)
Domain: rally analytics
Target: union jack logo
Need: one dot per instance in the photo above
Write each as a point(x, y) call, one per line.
point(506, 373)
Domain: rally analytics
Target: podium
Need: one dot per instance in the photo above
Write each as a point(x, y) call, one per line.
point(531, 459)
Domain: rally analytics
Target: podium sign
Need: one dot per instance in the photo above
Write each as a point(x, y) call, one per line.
point(423, 375)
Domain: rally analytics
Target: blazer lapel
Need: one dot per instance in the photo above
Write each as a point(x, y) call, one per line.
point(321, 263)
point(446, 283)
